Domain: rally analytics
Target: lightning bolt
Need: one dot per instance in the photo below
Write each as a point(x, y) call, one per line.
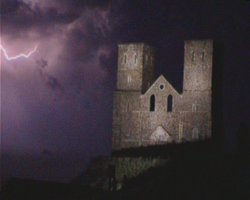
point(21, 55)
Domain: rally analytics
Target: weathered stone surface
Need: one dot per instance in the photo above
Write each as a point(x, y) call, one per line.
point(141, 106)
point(160, 135)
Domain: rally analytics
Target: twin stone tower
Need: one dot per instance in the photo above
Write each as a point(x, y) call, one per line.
point(149, 111)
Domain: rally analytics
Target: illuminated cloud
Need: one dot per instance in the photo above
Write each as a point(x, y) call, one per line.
point(19, 56)
point(54, 99)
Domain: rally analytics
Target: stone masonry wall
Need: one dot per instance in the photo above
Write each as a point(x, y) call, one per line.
point(141, 114)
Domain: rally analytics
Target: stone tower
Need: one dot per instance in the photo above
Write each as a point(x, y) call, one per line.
point(197, 89)
point(198, 65)
point(149, 111)
point(134, 76)
point(135, 67)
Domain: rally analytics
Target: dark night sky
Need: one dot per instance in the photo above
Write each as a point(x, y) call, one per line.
point(56, 106)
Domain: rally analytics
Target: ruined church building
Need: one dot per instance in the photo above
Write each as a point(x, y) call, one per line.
point(150, 112)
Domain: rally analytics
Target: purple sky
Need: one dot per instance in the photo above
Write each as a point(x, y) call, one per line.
point(56, 106)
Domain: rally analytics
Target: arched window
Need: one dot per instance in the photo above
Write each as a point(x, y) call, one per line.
point(151, 60)
point(194, 107)
point(128, 106)
point(170, 103)
point(202, 56)
point(193, 56)
point(152, 103)
point(195, 133)
point(129, 79)
point(180, 130)
point(135, 59)
point(125, 59)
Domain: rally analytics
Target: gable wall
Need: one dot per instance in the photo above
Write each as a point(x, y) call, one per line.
point(134, 123)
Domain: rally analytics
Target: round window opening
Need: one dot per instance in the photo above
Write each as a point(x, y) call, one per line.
point(162, 86)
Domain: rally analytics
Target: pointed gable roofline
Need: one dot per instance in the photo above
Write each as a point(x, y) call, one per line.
point(160, 79)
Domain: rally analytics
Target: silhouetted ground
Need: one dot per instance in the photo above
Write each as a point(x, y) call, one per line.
point(192, 177)
point(23, 189)
point(195, 171)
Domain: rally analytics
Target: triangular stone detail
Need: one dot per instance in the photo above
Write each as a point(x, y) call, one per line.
point(160, 135)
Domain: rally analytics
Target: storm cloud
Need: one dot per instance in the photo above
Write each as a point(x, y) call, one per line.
point(56, 106)
point(59, 100)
